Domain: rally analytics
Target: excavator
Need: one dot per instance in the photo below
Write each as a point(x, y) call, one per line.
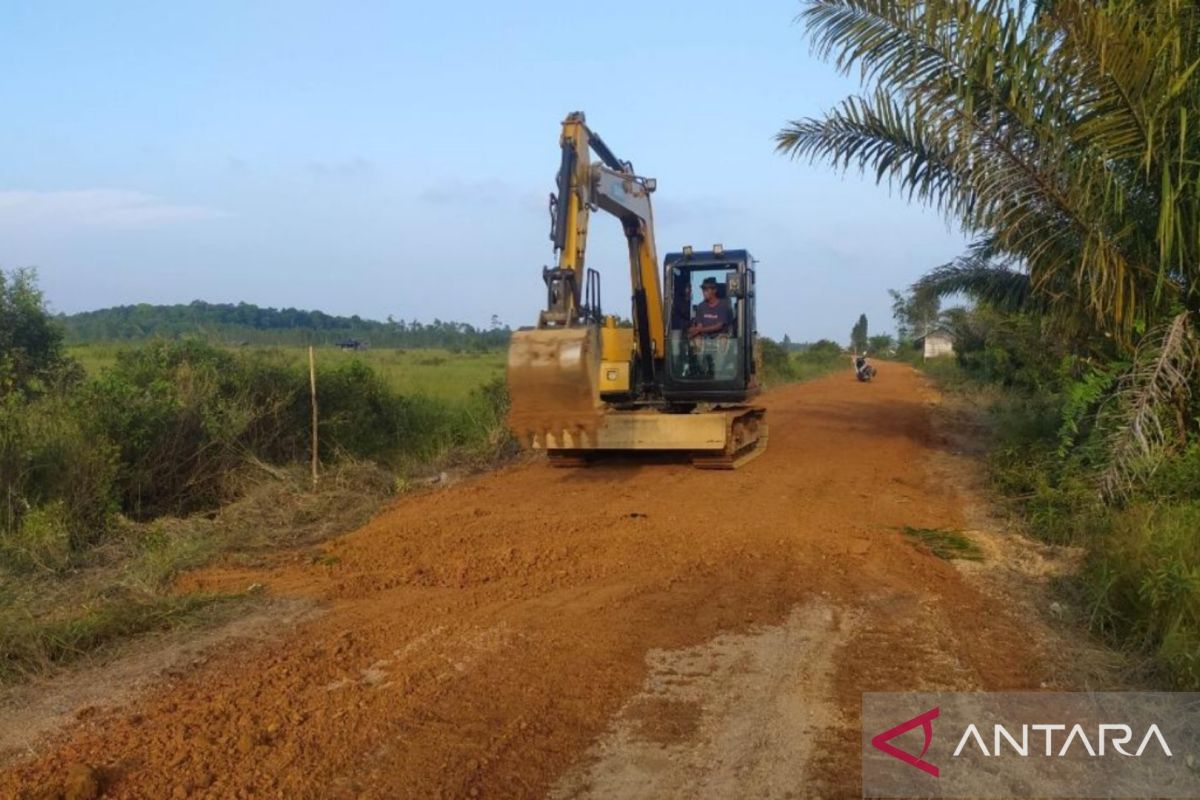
point(679, 379)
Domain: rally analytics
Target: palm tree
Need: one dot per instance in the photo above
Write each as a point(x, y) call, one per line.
point(1060, 134)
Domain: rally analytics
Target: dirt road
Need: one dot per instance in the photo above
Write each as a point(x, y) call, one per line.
point(618, 631)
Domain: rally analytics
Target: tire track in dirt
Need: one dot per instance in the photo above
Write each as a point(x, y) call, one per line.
point(487, 639)
point(737, 716)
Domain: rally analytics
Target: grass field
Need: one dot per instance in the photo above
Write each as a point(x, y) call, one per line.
point(439, 374)
point(434, 373)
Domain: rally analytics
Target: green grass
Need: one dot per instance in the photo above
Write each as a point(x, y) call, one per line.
point(33, 644)
point(439, 374)
point(806, 369)
point(434, 373)
point(95, 358)
point(54, 613)
point(944, 543)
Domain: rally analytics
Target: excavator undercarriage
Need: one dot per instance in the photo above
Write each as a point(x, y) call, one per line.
point(724, 438)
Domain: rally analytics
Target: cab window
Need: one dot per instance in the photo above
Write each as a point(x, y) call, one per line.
point(703, 343)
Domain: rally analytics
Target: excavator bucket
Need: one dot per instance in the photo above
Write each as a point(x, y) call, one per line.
point(552, 374)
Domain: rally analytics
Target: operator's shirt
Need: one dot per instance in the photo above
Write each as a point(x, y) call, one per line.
point(707, 315)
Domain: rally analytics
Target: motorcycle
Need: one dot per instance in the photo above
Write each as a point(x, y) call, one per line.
point(862, 370)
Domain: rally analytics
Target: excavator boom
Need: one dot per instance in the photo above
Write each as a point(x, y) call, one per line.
point(554, 368)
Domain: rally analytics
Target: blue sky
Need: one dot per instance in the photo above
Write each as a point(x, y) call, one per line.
point(394, 158)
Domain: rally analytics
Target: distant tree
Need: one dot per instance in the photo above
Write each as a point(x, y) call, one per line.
point(786, 343)
point(31, 341)
point(253, 324)
point(881, 343)
point(824, 347)
point(915, 313)
point(858, 334)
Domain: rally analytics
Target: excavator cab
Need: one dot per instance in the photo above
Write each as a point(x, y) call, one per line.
point(713, 366)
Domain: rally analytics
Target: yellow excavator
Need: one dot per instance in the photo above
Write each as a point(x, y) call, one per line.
point(583, 384)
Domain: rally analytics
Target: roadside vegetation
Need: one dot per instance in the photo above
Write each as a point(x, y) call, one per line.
point(440, 373)
point(1059, 135)
point(117, 476)
point(788, 362)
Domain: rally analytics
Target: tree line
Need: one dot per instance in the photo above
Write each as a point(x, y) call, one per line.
point(252, 324)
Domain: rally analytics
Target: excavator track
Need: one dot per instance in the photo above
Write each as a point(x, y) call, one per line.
point(736, 436)
point(748, 440)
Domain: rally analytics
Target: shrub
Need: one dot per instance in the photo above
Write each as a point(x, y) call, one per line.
point(1143, 584)
point(362, 417)
point(184, 416)
point(55, 476)
point(178, 413)
point(1141, 580)
point(31, 342)
point(776, 361)
point(824, 349)
point(487, 409)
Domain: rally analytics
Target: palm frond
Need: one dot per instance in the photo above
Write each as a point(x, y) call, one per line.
point(1158, 380)
point(1056, 130)
point(877, 133)
point(997, 286)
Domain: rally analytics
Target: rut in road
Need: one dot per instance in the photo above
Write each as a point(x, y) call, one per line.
point(591, 632)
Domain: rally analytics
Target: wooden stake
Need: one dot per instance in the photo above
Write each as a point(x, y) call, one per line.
point(312, 383)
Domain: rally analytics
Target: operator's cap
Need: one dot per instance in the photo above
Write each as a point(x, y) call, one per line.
point(709, 281)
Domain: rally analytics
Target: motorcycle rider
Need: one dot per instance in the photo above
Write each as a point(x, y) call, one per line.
point(860, 365)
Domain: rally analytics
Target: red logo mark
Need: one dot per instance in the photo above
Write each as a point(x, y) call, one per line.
point(882, 741)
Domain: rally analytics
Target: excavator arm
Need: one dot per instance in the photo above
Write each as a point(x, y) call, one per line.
point(609, 185)
point(554, 369)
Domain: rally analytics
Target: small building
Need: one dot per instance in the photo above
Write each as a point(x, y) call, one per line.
point(937, 342)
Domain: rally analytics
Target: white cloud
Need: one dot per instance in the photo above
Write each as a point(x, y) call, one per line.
point(94, 208)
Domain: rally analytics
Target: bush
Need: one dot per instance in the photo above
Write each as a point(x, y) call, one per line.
point(811, 361)
point(56, 482)
point(487, 410)
point(1011, 350)
point(776, 362)
point(180, 414)
point(31, 342)
point(1141, 580)
point(104, 480)
point(362, 417)
point(945, 370)
point(823, 349)
point(1143, 585)
point(186, 415)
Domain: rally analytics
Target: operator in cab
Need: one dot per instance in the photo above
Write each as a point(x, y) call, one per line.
point(681, 309)
point(713, 315)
